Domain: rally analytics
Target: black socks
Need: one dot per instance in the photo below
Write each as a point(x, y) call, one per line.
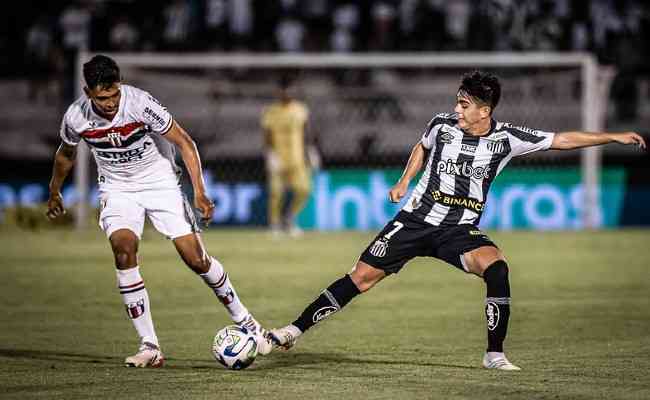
point(497, 304)
point(334, 298)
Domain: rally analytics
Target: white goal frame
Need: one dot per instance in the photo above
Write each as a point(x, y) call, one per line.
point(593, 104)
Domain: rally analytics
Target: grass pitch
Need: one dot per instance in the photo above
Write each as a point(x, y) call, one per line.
point(580, 323)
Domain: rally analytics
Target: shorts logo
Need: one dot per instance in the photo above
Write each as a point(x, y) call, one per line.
point(379, 248)
point(492, 313)
point(115, 139)
point(323, 313)
point(134, 310)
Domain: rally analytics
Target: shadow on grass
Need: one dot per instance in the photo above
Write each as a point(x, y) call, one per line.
point(275, 361)
point(57, 356)
point(286, 360)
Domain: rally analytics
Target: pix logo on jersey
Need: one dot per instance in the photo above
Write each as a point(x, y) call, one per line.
point(465, 169)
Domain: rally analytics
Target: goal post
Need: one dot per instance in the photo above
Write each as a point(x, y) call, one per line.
point(436, 74)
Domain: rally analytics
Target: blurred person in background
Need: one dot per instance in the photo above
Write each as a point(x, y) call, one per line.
point(287, 163)
point(134, 140)
point(43, 60)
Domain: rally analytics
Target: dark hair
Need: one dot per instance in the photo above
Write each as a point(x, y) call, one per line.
point(286, 80)
point(481, 86)
point(101, 71)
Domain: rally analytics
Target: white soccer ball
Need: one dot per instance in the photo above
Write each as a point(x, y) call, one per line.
point(234, 347)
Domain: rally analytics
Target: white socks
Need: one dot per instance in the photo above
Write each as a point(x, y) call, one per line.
point(218, 280)
point(136, 300)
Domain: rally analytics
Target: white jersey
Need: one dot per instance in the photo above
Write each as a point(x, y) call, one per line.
point(130, 152)
point(461, 167)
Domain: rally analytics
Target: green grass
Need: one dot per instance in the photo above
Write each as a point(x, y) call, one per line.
point(580, 324)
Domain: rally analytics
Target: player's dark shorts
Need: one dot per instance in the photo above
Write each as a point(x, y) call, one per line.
point(407, 237)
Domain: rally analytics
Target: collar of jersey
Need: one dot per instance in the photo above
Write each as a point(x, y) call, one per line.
point(493, 127)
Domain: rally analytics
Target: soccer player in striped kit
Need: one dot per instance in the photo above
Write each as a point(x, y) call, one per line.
point(462, 153)
point(133, 139)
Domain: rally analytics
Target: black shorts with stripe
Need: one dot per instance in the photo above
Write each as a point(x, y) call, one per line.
point(406, 237)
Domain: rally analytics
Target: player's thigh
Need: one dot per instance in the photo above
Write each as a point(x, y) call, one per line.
point(299, 179)
point(456, 242)
point(169, 212)
point(399, 241)
point(120, 210)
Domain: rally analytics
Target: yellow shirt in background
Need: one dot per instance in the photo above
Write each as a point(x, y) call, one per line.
point(286, 124)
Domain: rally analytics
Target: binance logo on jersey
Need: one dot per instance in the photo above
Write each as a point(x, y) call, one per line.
point(464, 169)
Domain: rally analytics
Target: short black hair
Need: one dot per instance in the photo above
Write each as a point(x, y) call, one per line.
point(101, 71)
point(286, 80)
point(482, 86)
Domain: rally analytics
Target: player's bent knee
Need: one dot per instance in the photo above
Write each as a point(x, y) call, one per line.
point(365, 276)
point(125, 258)
point(496, 272)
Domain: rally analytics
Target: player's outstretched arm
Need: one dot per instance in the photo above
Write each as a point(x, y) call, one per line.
point(187, 147)
point(577, 139)
point(413, 166)
point(63, 162)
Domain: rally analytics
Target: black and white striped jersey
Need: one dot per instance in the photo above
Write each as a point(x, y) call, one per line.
point(460, 168)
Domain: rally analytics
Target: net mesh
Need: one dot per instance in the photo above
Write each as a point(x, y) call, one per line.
point(358, 116)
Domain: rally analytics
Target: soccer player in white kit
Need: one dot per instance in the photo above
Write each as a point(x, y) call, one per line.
point(133, 139)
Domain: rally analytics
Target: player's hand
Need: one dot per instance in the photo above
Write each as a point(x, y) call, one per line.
point(398, 191)
point(630, 138)
point(272, 161)
point(55, 206)
point(205, 206)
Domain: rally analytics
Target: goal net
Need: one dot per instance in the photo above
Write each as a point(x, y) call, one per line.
point(366, 112)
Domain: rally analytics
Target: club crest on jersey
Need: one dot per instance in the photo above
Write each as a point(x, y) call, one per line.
point(115, 138)
point(134, 310)
point(379, 248)
point(497, 146)
point(492, 312)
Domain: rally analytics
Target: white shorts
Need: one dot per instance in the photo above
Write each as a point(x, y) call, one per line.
point(168, 210)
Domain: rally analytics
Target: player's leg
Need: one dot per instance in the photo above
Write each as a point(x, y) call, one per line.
point(122, 220)
point(276, 196)
point(337, 295)
point(489, 263)
point(300, 184)
point(386, 254)
point(124, 243)
point(191, 249)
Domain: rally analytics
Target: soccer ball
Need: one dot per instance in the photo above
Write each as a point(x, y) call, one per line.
point(235, 347)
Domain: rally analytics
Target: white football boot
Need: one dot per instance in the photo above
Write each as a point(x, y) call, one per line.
point(494, 360)
point(264, 344)
point(285, 337)
point(148, 356)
